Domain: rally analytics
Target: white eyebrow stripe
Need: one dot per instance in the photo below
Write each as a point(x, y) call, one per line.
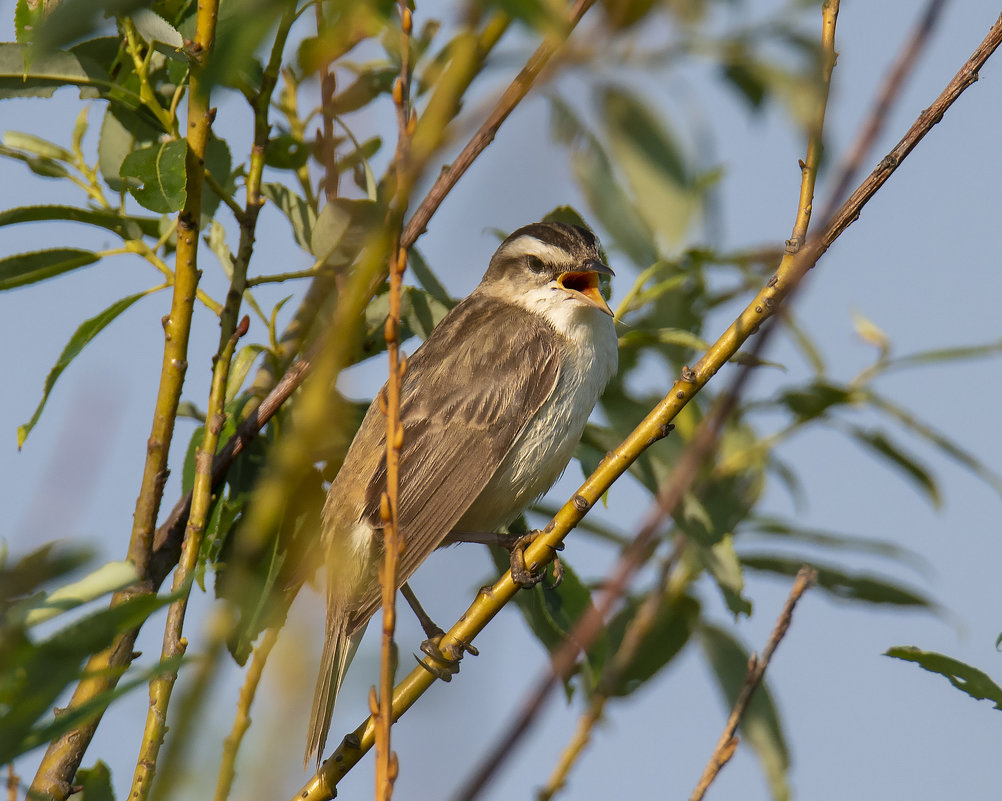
point(527, 245)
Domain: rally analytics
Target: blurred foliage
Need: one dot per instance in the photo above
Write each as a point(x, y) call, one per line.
point(646, 187)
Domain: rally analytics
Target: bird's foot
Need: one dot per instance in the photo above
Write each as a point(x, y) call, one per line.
point(444, 663)
point(520, 572)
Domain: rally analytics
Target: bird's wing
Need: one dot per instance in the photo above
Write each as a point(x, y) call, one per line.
point(462, 408)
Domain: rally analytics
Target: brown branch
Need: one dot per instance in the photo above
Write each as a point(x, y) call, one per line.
point(756, 670)
point(852, 161)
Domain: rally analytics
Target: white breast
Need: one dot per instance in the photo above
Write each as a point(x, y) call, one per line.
point(545, 446)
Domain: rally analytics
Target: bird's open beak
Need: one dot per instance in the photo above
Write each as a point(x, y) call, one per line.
point(585, 284)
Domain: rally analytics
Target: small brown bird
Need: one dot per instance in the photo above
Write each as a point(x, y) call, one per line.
point(492, 405)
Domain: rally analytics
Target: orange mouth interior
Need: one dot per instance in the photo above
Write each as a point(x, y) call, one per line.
point(585, 284)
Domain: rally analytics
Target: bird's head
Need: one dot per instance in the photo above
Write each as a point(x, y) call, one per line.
point(546, 266)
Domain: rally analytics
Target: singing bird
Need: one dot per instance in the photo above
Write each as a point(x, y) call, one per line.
point(493, 404)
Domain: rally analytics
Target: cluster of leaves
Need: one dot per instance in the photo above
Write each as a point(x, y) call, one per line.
point(645, 191)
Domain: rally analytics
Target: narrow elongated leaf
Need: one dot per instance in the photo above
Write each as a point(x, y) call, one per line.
point(668, 632)
point(301, 217)
point(27, 268)
point(760, 726)
point(44, 72)
point(37, 145)
point(126, 227)
point(429, 282)
point(878, 442)
point(159, 175)
point(964, 677)
point(775, 527)
point(931, 435)
point(41, 671)
point(81, 337)
point(839, 583)
point(645, 150)
point(108, 578)
point(607, 199)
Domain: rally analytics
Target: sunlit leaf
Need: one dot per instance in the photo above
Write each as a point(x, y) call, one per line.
point(606, 198)
point(159, 174)
point(108, 578)
point(341, 230)
point(81, 337)
point(645, 150)
point(965, 678)
point(96, 782)
point(127, 227)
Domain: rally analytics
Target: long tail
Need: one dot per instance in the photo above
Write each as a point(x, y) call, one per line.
point(339, 648)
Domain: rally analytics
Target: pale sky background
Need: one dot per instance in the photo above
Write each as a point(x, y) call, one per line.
point(922, 263)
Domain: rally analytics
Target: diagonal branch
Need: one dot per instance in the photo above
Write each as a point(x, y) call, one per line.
point(490, 601)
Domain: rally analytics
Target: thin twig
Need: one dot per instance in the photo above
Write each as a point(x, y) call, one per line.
point(381, 705)
point(852, 161)
point(756, 670)
point(637, 629)
point(242, 720)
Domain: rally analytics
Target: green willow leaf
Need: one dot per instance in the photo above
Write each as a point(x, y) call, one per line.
point(839, 583)
point(670, 629)
point(81, 337)
point(96, 782)
point(28, 268)
point(297, 211)
point(25, 72)
point(159, 171)
point(125, 226)
point(964, 677)
point(919, 475)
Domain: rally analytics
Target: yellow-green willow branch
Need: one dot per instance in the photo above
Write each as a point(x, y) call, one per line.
point(162, 685)
point(62, 758)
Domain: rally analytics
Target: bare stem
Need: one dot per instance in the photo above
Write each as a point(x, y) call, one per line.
point(242, 720)
point(727, 743)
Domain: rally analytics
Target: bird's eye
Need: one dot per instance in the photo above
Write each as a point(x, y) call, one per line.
point(534, 263)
